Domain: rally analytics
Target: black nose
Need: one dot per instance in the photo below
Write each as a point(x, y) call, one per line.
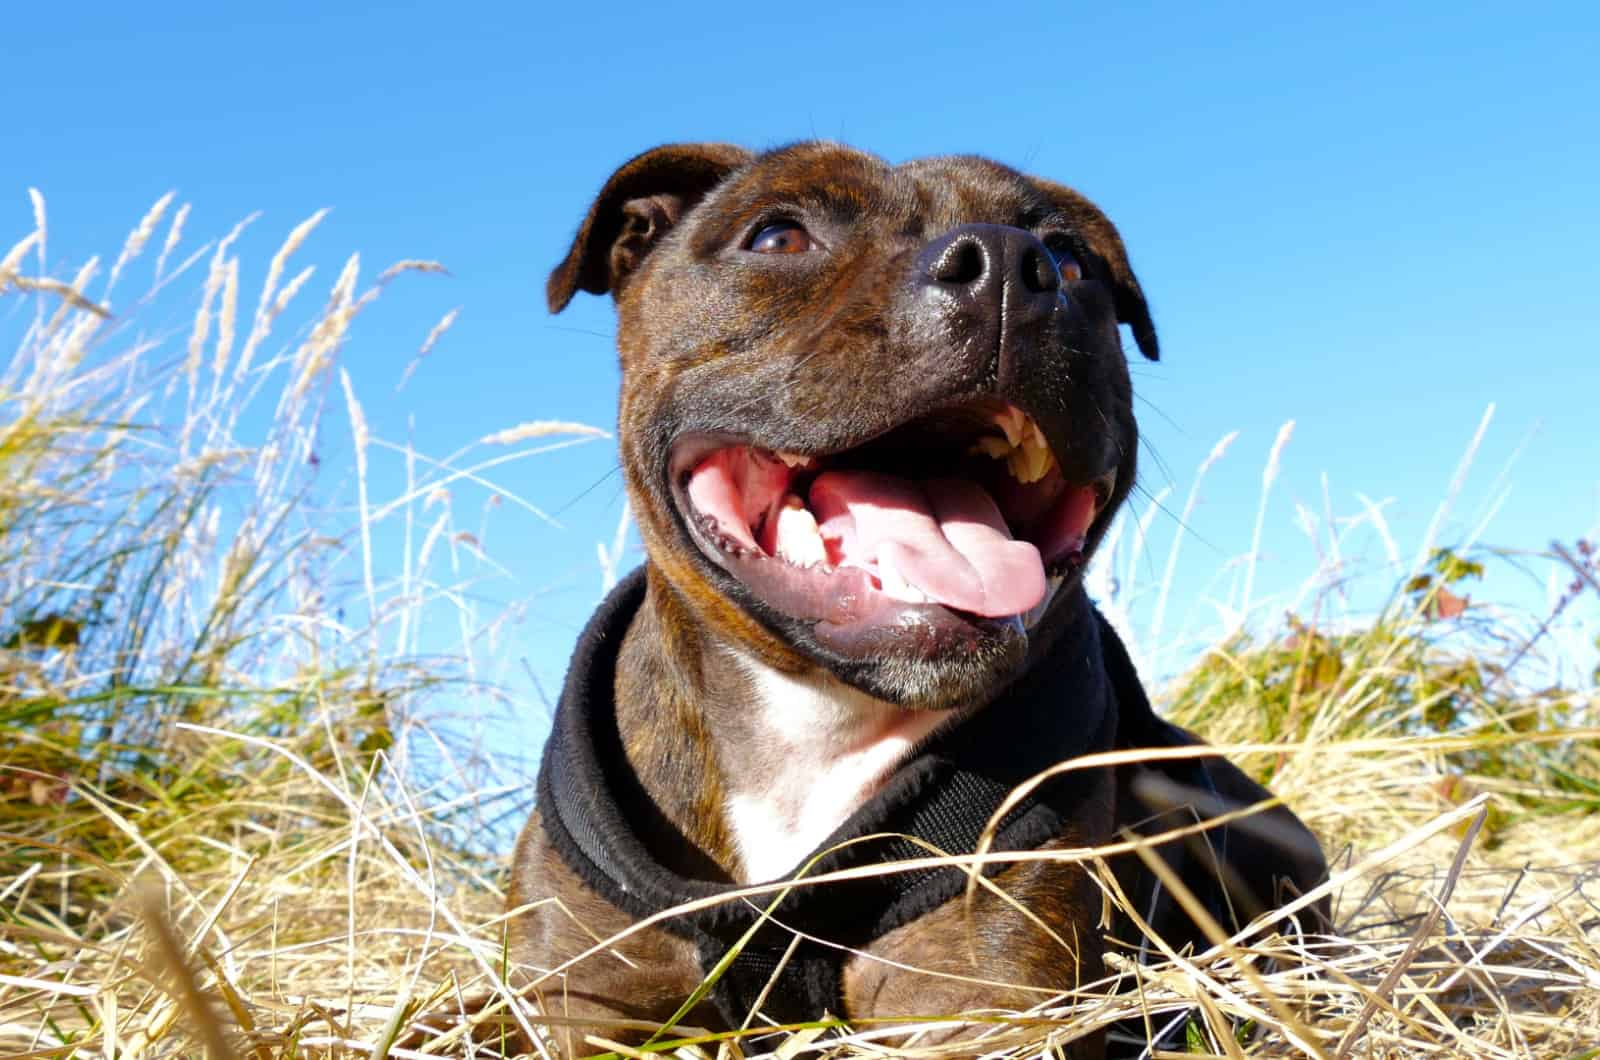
point(1001, 277)
point(975, 256)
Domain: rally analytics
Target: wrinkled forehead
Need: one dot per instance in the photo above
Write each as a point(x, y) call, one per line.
point(923, 196)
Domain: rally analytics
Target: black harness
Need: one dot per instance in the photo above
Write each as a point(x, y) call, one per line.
point(1086, 697)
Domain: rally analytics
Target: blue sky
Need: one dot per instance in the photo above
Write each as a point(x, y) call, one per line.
point(1374, 220)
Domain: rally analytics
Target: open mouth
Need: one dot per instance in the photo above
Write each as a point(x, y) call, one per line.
point(964, 510)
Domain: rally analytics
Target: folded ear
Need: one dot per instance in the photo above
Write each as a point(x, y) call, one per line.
point(641, 202)
point(1102, 238)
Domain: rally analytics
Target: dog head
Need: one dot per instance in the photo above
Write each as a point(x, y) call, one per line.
point(874, 418)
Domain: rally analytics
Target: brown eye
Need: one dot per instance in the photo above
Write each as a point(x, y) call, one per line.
point(1066, 264)
point(781, 237)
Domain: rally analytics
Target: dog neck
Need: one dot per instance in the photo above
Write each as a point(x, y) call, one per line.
point(816, 749)
point(755, 767)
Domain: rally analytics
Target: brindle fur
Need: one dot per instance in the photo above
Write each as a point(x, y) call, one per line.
point(710, 341)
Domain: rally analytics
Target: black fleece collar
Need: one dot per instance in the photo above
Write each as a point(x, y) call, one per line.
point(1067, 705)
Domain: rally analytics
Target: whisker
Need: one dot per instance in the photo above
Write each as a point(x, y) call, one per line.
point(1157, 409)
point(609, 337)
point(1177, 520)
point(1162, 466)
point(596, 484)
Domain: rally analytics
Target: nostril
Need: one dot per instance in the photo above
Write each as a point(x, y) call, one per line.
point(962, 262)
point(1038, 269)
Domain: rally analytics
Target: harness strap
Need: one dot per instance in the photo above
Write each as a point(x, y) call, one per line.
point(944, 796)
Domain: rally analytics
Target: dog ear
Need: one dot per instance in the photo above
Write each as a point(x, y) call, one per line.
point(1106, 244)
point(645, 198)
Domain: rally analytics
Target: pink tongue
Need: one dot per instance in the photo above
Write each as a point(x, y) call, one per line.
point(944, 536)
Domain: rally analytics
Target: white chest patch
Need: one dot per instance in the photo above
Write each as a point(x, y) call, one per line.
point(826, 749)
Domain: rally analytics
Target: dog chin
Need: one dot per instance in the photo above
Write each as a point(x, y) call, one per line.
point(900, 669)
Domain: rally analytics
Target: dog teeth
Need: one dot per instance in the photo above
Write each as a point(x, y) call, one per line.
point(993, 447)
point(1012, 423)
point(1030, 462)
point(1024, 449)
point(895, 585)
point(799, 541)
point(794, 459)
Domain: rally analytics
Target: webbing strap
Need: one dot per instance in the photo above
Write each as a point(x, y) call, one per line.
point(944, 796)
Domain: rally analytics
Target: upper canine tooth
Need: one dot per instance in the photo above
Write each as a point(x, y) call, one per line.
point(1026, 452)
point(1030, 462)
point(1011, 421)
point(1024, 449)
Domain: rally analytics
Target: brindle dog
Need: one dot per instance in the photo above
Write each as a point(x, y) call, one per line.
point(874, 420)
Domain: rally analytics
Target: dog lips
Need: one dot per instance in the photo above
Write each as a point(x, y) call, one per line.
point(921, 540)
point(944, 537)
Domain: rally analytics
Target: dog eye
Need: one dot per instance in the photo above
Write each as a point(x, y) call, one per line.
point(781, 237)
point(1066, 263)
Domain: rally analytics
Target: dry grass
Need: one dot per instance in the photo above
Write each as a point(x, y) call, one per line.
point(225, 831)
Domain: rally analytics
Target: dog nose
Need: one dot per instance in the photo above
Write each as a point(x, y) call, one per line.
point(988, 280)
point(997, 265)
